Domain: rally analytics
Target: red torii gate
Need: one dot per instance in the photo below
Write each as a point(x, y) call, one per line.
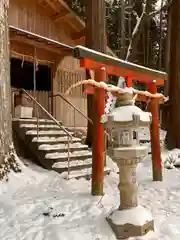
point(104, 64)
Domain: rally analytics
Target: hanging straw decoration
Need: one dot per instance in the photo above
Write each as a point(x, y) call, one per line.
point(115, 91)
point(30, 58)
point(36, 65)
point(22, 63)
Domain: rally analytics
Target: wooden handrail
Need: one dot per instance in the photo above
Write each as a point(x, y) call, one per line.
point(72, 105)
point(44, 110)
point(79, 111)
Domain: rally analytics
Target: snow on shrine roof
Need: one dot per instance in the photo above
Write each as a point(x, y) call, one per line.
point(41, 40)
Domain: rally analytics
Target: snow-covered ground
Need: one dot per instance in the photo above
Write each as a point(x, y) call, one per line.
point(40, 205)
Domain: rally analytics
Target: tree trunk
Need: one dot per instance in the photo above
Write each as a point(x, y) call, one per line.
point(165, 107)
point(167, 50)
point(173, 134)
point(136, 34)
point(95, 39)
point(123, 30)
point(7, 153)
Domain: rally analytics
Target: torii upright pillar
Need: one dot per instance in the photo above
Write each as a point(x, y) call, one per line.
point(154, 135)
point(98, 137)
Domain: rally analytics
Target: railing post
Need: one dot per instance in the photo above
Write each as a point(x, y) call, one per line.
point(54, 105)
point(74, 119)
point(68, 157)
point(105, 149)
point(13, 102)
point(52, 88)
point(154, 135)
point(37, 114)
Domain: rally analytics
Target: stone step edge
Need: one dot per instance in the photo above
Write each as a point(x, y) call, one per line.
point(66, 156)
point(56, 140)
point(41, 120)
point(34, 126)
point(72, 163)
point(48, 133)
point(63, 148)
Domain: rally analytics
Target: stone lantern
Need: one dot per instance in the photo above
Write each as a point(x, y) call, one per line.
point(130, 219)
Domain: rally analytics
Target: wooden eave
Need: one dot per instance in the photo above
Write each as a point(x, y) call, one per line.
point(62, 12)
point(17, 34)
point(59, 12)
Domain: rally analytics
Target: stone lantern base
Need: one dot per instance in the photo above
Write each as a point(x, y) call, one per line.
point(131, 222)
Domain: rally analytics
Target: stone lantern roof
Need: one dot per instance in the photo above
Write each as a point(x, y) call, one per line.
point(127, 115)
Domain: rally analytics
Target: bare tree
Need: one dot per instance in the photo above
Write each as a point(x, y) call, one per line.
point(123, 19)
point(141, 21)
point(7, 152)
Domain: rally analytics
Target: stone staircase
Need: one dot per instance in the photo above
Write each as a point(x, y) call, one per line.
point(51, 147)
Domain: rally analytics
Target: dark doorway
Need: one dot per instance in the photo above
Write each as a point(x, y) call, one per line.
point(22, 76)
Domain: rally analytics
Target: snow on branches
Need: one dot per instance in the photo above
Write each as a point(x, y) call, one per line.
point(10, 163)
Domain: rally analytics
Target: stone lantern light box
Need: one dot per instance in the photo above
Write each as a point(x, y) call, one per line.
point(130, 219)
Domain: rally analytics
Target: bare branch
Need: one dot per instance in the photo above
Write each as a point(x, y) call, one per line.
point(166, 6)
point(137, 31)
point(139, 26)
point(136, 15)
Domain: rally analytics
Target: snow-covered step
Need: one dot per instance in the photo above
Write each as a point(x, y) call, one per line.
point(79, 129)
point(73, 165)
point(57, 156)
point(62, 147)
point(34, 121)
point(51, 140)
point(41, 126)
point(83, 173)
point(51, 146)
point(47, 133)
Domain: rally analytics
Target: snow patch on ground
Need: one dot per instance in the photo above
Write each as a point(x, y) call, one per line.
point(111, 164)
point(136, 216)
point(40, 205)
point(171, 159)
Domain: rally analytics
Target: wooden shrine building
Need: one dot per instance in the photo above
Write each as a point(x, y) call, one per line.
point(42, 33)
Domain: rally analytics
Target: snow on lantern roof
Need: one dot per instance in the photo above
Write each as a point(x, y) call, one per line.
point(131, 116)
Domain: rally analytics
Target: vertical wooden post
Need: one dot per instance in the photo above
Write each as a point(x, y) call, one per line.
point(98, 137)
point(154, 135)
point(51, 98)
